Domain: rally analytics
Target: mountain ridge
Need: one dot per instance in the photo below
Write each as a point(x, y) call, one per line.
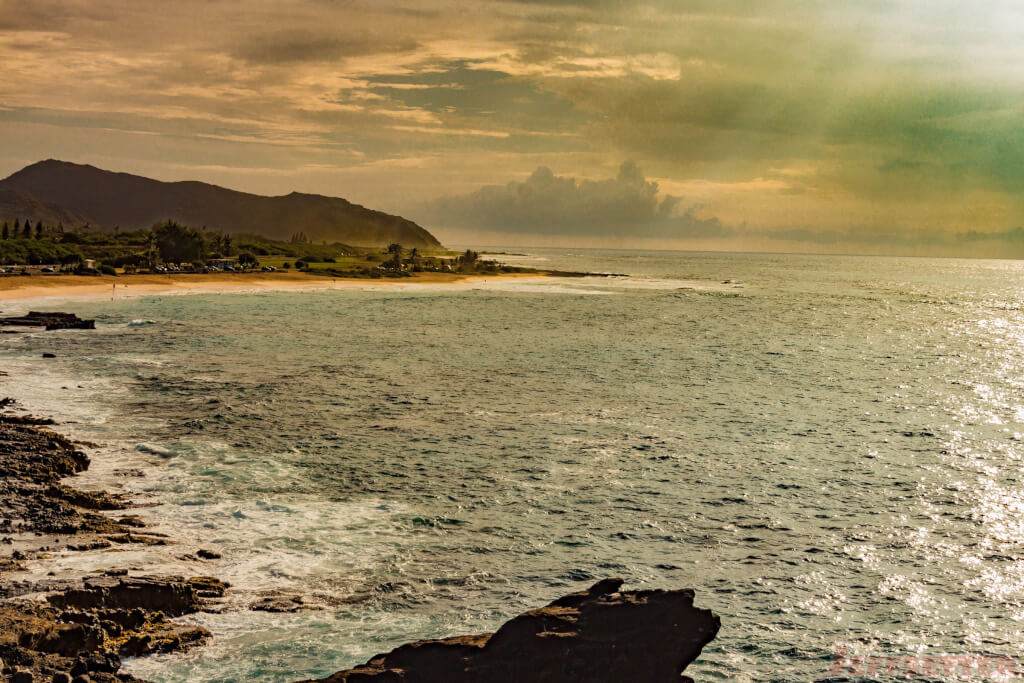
point(112, 199)
point(22, 205)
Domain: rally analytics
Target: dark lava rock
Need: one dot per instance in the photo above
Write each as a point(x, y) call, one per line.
point(63, 639)
point(279, 604)
point(51, 321)
point(105, 663)
point(596, 636)
point(86, 625)
point(49, 355)
point(208, 554)
point(173, 596)
point(33, 461)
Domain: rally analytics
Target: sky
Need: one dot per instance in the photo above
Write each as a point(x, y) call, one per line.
point(875, 126)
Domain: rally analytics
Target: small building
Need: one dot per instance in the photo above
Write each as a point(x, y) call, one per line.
point(89, 263)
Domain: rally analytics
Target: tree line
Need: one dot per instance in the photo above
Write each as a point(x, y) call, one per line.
point(170, 242)
point(25, 230)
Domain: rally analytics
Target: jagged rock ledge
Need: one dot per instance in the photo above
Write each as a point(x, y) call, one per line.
point(84, 625)
point(597, 636)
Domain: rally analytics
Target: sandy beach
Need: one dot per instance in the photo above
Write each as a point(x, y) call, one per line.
point(70, 287)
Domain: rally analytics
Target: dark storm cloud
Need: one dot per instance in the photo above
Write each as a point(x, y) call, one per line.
point(285, 47)
point(481, 93)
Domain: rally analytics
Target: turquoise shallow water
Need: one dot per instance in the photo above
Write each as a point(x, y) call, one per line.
point(826, 448)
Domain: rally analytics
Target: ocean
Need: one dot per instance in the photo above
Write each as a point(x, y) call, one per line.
point(828, 449)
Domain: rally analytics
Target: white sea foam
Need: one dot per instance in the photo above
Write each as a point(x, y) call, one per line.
point(540, 287)
point(55, 387)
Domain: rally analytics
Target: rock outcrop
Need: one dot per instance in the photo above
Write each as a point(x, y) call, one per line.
point(33, 461)
point(598, 636)
point(87, 630)
point(50, 321)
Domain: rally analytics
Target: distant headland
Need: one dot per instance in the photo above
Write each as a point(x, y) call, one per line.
point(62, 193)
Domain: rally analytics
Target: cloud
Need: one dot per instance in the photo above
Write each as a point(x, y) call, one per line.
point(629, 209)
point(904, 116)
point(628, 204)
point(304, 45)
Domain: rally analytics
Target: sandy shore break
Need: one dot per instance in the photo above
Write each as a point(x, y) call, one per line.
point(64, 287)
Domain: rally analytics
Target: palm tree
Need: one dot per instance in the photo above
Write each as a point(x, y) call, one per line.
point(152, 250)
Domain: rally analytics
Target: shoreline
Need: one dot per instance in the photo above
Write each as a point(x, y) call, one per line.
point(77, 625)
point(74, 625)
point(76, 629)
point(18, 289)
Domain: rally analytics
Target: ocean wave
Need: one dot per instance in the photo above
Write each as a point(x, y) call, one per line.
point(155, 450)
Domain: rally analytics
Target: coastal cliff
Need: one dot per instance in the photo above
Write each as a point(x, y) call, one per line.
point(600, 635)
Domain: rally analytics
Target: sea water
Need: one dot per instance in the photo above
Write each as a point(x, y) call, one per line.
point(827, 449)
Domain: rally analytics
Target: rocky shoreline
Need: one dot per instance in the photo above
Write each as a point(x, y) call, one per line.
point(76, 629)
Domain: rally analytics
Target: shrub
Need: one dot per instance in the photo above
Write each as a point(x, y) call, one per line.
point(107, 270)
point(286, 265)
point(122, 260)
point(37, 252)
